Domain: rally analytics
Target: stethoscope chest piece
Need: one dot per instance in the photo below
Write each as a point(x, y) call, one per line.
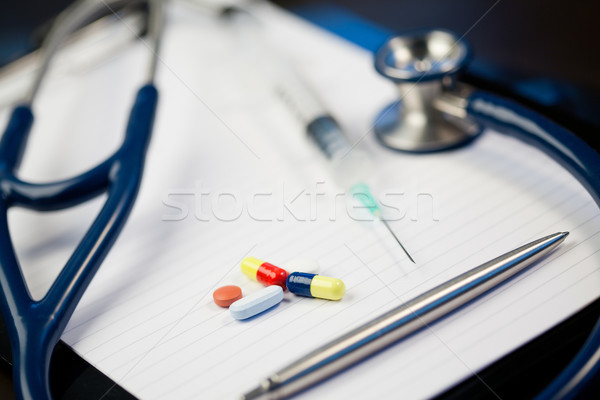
point(423, 65)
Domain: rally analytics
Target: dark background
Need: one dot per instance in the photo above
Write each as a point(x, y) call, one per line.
point(551, 38)
point(517, 45)
point(544, 53)
point(555, 39)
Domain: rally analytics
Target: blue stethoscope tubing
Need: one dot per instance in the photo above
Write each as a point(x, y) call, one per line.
point(583, 163)
point(35, 326)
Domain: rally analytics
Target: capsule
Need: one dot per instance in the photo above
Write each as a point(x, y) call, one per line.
point(312, 285)
point(263, 272)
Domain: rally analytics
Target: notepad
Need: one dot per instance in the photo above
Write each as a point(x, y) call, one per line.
point(230, 174)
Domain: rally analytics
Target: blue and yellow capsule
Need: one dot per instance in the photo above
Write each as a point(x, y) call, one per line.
point(312, 285)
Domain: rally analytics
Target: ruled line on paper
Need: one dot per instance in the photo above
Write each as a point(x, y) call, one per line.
point(282, 346)
point(172, 326)
point(148, 334)
point(524, 314)
point(206, 259)
point(241, 368)
point(487, 297)
point(475, 234)
point(540, 234)
point(266, 319)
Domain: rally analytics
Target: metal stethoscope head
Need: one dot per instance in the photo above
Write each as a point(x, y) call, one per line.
point(423, 64)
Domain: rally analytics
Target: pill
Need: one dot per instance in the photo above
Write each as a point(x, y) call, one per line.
point(307, 265)
point(312, 285)
point(257, 302)
point(226, 295)
point(263, 272)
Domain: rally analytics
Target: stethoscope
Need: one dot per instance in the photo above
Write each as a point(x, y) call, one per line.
point(436, 114)
point(34, 327)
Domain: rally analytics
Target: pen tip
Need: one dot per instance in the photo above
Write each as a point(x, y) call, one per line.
point(561, 236)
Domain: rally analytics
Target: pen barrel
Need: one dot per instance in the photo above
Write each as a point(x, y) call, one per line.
point(402, 321)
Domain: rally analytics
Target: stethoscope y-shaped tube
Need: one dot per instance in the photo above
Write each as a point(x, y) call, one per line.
point(34, 327)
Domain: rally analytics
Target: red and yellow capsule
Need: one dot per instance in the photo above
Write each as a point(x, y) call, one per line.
point(263, 272)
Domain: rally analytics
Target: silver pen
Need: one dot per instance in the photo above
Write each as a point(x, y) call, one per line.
point(401, 321)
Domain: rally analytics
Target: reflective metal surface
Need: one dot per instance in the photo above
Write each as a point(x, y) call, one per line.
point(423, 65)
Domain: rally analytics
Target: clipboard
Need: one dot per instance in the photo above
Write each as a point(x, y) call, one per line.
point(578, 321)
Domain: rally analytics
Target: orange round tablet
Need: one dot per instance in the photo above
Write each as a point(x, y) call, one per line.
point(226, 295)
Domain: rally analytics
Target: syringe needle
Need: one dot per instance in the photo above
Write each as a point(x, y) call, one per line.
point(364, 195)
point(396, 237)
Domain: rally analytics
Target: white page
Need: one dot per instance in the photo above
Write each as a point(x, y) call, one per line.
point(148, 320)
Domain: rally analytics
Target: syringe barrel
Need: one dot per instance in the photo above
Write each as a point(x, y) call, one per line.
point(328, 135)
point(350, 165)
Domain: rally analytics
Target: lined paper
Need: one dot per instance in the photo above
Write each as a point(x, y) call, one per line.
point(230, 174)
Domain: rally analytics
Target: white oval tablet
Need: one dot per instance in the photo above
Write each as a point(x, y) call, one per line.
point(256, 303)
point(307, 265)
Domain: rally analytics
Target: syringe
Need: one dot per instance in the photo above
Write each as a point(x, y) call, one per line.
point(351, 166)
